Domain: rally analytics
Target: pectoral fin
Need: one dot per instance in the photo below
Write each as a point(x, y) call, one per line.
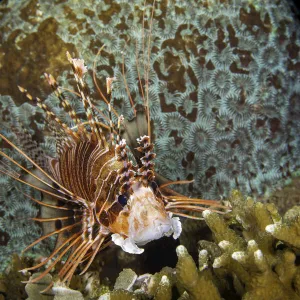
point(127, 244)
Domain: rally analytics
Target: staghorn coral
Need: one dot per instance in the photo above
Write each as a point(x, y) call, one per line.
point(256, 260)
point(10, 281)
point(197, 285)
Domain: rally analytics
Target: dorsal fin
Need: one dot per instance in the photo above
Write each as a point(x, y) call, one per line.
point(133, 129)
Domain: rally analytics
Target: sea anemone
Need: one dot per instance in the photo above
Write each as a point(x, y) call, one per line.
point(225, 147)
point(263, 160)
point(223, 185)
point(222, 59)
point(238, 108)
point(258, 128)
point(169, 30)
point(157, 126)
point(243, 141)
point(175, 122)
point(264, 183)
point(242, 83)
point(169, 145)
point(278, 139)
point(220, 83)
point(211, 161)
point(205, 184)
point(270, 57)
point(232, 168)
point(169, 166)
point(203, 74)
point(222, 126)
point(16, 223)
point(184, 100)
point(200, 138)
point(208, 103)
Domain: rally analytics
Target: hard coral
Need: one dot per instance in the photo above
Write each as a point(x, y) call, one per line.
point(264, 256)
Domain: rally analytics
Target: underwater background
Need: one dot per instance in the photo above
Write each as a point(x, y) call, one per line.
point(225, 107)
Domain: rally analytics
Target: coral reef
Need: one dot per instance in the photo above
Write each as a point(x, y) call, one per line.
point(252, 254)
point(257, 248)
point(10, 281)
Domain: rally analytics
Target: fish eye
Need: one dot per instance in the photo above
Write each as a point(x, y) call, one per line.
point(122, 199)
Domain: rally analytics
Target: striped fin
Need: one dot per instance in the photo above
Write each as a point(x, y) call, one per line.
point(60, 188)
point(146, 171)
point(51, 115)
point(79, 70)
point(64, 102)
point(126, 172)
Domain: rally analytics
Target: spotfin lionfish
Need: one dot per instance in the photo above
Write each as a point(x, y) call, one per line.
point(98, 196)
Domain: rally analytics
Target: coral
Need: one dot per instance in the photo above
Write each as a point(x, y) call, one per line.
point(200, 138)
point(220, 83)
point(164, 291)
point(197, 285)
point(10, 281)
point(62, 293)
point(208, 104)
point(34, 290)
point(255, 260)
point(252, 254)
point(175, 122)
point(238, 108)
point(224, 147)
point(125, 280)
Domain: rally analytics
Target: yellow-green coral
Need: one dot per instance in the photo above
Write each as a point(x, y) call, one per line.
point(11, 280)
point(33, 290)
point(156, 280)
point(197, 284)
point(125, 280)
point(265, 271)
point(164, 290)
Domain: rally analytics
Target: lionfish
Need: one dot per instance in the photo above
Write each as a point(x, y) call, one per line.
point(96, 194)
